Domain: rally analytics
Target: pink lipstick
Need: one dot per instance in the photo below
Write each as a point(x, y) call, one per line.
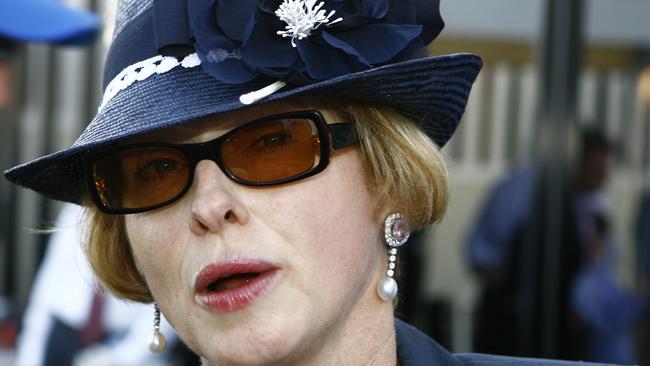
point(232, 285)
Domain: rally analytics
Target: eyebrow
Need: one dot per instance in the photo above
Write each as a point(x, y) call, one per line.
point(189, 131)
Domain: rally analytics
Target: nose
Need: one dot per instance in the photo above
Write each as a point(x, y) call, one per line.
point(213, 205)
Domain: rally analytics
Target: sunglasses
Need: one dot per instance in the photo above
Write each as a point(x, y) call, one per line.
point(269, 151)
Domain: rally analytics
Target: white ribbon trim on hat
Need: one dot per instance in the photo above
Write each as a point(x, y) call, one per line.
point(143, 70)
point(161, 64)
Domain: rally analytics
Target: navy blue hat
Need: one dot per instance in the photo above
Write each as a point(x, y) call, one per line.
point(174, 61)
point(46, 21)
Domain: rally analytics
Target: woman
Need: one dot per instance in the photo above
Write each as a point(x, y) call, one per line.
point(254, 167)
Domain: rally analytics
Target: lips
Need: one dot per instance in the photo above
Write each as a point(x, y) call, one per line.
point(232, 285)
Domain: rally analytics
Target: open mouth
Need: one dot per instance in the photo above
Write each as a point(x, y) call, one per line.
point(231, 282)
point(224, 287)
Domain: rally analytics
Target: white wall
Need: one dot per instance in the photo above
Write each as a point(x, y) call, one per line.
point(608, 22)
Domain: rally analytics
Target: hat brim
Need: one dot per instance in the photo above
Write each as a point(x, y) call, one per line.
point(47, 21)
point(433, 91)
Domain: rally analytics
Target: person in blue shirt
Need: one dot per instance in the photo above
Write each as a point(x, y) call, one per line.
point(596, 315)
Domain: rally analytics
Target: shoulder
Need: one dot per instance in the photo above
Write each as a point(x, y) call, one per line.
point(416, 349)
point(473, 359)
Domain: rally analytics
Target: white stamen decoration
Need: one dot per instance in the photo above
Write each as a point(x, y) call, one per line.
point(252, 97)
point(303, 16)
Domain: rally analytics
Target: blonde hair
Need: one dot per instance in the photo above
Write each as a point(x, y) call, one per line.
point(404, 169)
point(403, 165)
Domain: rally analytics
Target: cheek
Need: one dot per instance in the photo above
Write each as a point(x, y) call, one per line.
point(157, 244)
point(331, 226)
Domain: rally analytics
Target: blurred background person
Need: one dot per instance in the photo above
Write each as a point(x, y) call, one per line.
point(69, 320)
point(596, 315)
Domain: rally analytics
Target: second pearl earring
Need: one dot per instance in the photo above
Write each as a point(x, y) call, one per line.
point(396, 233)
point(157, 341)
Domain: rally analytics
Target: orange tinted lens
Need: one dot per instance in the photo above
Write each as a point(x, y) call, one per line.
point(141, 177)
point(273, 150)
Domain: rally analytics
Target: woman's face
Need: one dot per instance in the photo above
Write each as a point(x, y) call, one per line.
point(303, 258)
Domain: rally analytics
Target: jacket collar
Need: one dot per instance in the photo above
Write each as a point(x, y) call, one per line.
point(414, 348)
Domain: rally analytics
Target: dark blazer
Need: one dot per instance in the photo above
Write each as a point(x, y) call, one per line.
point(414, 348)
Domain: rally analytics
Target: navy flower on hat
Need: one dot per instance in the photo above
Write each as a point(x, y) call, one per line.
point(302, 41)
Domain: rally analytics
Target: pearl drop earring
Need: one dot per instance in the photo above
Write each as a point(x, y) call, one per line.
point(157, 341)
point(396, 233)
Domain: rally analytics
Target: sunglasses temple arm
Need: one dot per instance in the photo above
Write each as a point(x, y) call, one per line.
point(343, 135)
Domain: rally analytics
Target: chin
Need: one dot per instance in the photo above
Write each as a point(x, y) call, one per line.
point(272, 340)
point(255, 356)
